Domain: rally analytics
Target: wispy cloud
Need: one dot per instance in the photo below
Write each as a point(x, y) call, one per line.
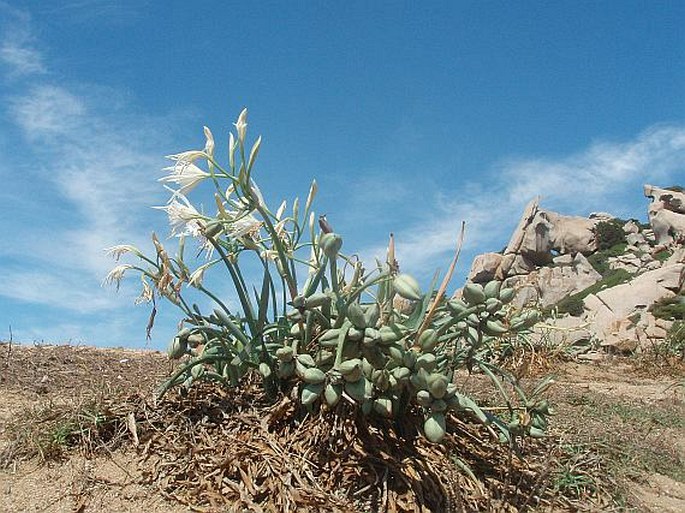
point(607, 176)
point(87, 185)
point(18, 51)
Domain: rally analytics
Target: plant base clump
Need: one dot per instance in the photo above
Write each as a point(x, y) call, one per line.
point(230, 451)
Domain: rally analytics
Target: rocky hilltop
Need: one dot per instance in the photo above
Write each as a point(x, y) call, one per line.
point(617, 284)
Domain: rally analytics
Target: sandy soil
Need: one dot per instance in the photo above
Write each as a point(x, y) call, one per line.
point(34, 378)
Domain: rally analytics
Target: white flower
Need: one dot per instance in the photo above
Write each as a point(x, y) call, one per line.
point(310, 197)
point(188, 156)
point(231, 150)
point(183, 217)
point(256, 194)
point(186, 174)
point(198, 275)
point(116, 274)
point(146, 295)
point(209, 145)
point(117, 251)
point(281, 209)
point(241, 125)
point(244, 225)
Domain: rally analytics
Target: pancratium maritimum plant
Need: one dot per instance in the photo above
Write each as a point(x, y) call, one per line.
point(335, 334)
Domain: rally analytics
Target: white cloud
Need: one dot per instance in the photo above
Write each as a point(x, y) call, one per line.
point(82, 171)
point(17, 47)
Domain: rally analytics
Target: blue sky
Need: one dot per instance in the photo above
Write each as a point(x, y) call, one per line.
point(412, 116)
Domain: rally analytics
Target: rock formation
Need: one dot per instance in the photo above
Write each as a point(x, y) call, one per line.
point(666, 213)
point(546, 261)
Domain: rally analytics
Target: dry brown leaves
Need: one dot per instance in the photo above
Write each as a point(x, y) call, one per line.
point(218, 450)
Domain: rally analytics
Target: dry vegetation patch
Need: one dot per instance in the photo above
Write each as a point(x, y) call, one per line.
point(93, 431)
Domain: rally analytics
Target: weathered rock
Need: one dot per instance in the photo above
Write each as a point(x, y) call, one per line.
point(671, 200)
point(621, 336)
point(631, 227)
point(635, 239)
point(549, 285)
point(678, 257)
point(666, 213)
point(609, 308)
point(562, 331)
point(485, 267)
point(549, 231)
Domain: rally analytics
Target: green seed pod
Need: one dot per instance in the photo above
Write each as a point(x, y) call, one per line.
point(324, 358)
point(285, 353)
point(356, 315)
point(351, 370)
point(401, 374)
point(316, 300)
point(177, 348)
point(369, 342)
point(461, 325)
point(329, 338)
point(350, 365)
point(491, 289)
point(473, 294)
point(438, 406)
point(294, 316)
point(542, 406)
point(298, 302)
point(382, 380)
point(426, 361)
point(389, 334)
point(437, 384)
point(457, 306)
point(295, 330)
point(195, 340)
point(330, 243)
point(367, 368)
point(372, 314)
point(197, 371)
point(536, 432)
point(410, 358)
point(473, 320)
point(306, 360)
point(423, 398)
point(494, 328)
point(396, 354)
point(434, 427)
point(372, 334)
point(286, 369)
point(355, 335)
point(310, 393)
point(357, 390)
point(493, 304)
point(428, 340)
point(407, 287)
point(264, 370)
point(383, 406)
point(506, 295)
point(418, 379)
point(332, 394)
point(313, 376)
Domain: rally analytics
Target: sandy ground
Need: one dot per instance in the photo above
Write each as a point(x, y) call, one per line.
point(110, 482)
